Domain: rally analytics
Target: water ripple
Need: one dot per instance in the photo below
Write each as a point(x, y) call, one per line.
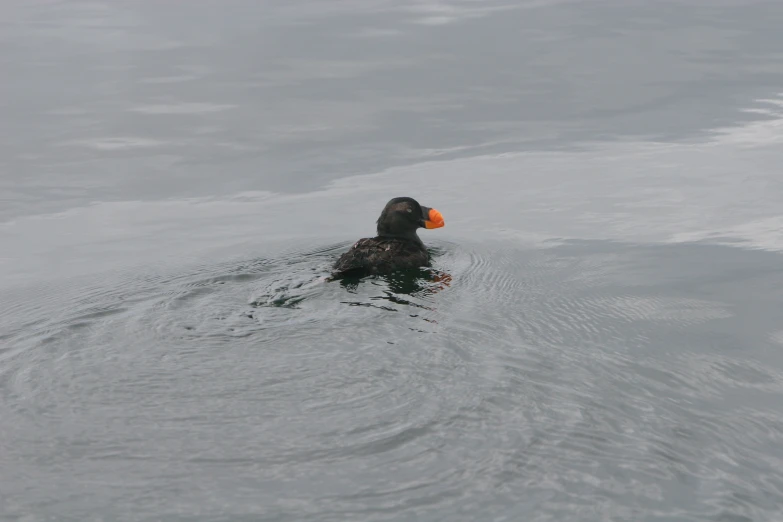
point(539, 385)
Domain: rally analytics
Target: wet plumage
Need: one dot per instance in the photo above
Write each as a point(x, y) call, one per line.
point(396, 246)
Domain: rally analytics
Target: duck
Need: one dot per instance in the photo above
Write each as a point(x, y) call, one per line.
point(396, 246)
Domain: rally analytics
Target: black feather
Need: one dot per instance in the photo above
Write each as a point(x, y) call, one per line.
point(379, 255)
point(396, 246)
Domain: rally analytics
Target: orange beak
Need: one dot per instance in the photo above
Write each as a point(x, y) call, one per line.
point(434, 219)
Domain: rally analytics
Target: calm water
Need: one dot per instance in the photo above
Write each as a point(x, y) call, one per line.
point(601, 339)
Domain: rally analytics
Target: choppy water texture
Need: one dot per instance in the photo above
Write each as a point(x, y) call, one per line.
point(599, 337)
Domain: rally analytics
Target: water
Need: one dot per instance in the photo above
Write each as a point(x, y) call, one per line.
point(599, 338)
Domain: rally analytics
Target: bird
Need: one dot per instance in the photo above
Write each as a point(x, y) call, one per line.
point(396, 246)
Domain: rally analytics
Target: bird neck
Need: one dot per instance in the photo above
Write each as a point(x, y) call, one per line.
point(406, 236)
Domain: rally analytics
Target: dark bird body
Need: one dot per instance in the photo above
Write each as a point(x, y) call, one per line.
point(378, 255)
point(396, 246)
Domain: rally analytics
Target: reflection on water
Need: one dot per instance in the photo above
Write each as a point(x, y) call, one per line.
point(420, 282)
point(408, 289)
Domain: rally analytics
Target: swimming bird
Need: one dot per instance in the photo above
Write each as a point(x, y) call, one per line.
point(396, 246)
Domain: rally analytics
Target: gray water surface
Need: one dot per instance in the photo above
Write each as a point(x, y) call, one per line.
point(600, 338)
